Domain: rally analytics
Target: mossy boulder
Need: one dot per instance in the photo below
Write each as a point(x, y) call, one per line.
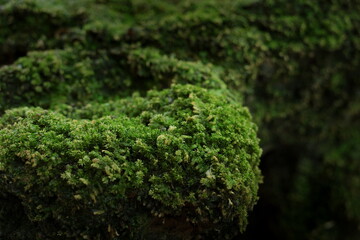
point(185, 156)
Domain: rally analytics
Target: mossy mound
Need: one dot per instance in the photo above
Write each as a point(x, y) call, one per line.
point(294, 64)
point(77, 76)
point(182, 154)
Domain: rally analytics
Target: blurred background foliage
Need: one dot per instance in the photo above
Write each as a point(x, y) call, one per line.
point(294, 64)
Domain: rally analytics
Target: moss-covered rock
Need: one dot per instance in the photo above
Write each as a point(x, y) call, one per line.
point(183, 155)
point(76, 76)
point(294, 64)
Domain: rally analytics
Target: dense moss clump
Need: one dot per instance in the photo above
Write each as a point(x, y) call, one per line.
point(181, 156)
point(76, 76)
point(125, 62)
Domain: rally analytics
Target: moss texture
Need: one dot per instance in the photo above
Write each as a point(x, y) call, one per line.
point(123, 63)
point(181, 153)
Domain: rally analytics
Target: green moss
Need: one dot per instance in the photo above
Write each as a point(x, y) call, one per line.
point(47, 24)
point(51, 77)
point(77, 76)
point(295, 65)
point(86, 176)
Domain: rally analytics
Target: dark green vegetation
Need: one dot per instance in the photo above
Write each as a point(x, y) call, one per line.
point(104, 156)
point(174, 154)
